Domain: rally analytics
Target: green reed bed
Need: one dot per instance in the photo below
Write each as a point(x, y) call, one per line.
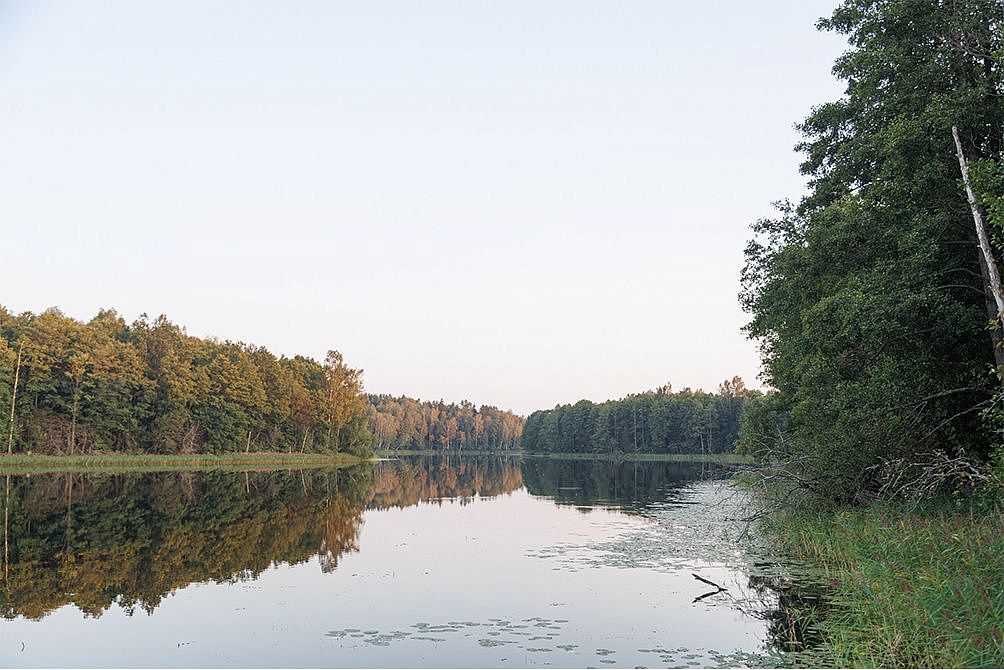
point(906, 589)
point(117, 462)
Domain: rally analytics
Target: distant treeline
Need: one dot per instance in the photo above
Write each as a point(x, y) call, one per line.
point(150, 387)
point(657, 422)
point(405, 423)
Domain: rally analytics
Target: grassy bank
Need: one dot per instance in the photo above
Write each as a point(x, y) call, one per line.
point(906, 589)
point(114, 462)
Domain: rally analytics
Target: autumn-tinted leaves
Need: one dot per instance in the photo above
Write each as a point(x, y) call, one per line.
point(149, 386)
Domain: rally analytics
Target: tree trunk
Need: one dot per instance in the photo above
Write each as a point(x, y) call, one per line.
point(73, 422)
point(992, 275)
point(996, 334)
point(6, 506)
point(13, 398)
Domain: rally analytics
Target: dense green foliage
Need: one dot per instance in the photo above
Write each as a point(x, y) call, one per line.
point(405, 423)
point(873, 307)
point(148, 386)
point(912, 589)
point(656, 422)
point(869, 298)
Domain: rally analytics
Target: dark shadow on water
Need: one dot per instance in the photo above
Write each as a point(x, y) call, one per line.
point(631, 486)
point(791, 599)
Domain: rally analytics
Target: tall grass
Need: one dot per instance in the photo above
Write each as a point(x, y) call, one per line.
point(907, 589)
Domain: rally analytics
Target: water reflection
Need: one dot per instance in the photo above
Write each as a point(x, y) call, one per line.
point(95, 541)
point(406, 482)
point(631, 486)
point(790, 600)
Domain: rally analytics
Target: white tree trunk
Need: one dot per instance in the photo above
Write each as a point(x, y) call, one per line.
point(981, 232)
point(13, 397)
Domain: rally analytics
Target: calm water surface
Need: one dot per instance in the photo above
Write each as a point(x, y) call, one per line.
point(413, 562)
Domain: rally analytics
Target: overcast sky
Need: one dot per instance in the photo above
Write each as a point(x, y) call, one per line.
point(518, 203)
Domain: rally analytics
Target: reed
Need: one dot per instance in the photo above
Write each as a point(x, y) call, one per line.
point(906, 588)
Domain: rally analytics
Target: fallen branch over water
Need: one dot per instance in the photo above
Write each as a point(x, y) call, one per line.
point(708, 582)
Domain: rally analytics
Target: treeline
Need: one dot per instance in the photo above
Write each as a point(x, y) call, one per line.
point(655, 422)
point(406, 423)
point(150, 387)
point(872, 298)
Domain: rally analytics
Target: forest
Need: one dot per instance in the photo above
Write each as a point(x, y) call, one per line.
point(408, 424)
point(872, 298)
point(876, 448)
point(148, 386)
point(877, 303)
point(655, 422)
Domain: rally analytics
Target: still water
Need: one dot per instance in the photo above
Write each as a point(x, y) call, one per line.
point(474, 562)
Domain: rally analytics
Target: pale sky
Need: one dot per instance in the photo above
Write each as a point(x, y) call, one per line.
point(517, 203)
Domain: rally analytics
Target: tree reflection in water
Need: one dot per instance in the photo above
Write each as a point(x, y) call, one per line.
point(631, 486)
point(94, 540)
point(98, 540)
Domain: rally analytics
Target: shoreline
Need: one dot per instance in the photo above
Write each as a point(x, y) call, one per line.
point(23, 463)
point(726, 459)
point(117, 462)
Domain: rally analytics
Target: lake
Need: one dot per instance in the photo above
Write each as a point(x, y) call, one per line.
point(418, 561)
